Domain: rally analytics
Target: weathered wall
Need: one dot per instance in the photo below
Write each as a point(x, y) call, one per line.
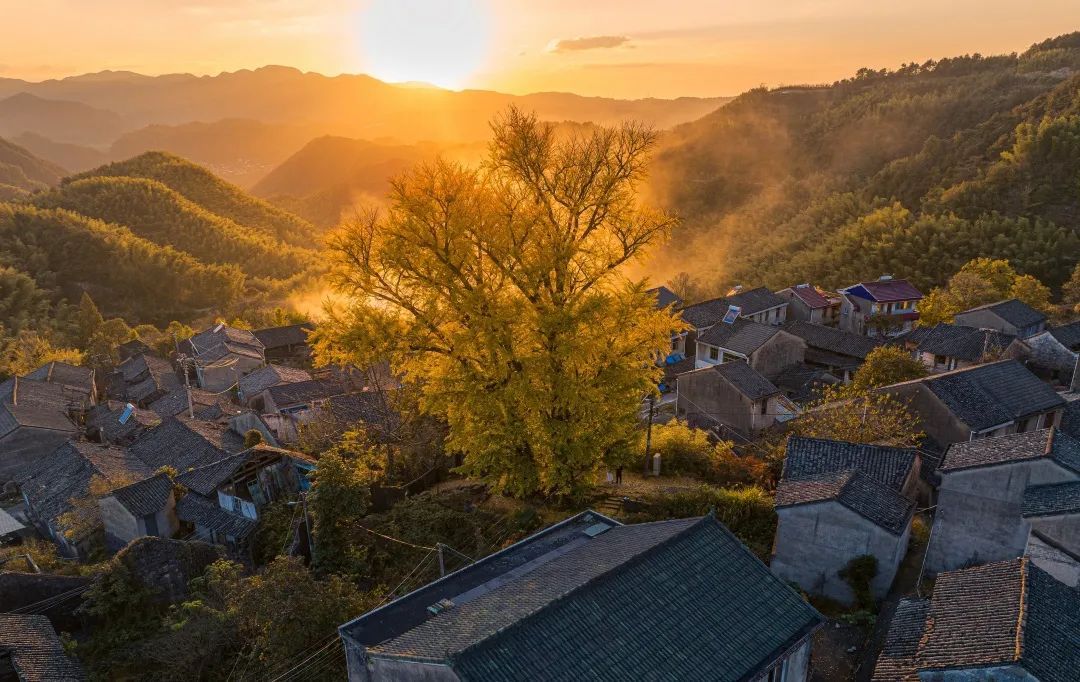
point(706, 392)
point(795, 667)
point(120, 526)
point(781, 351)
point(1064, 567)
point(985, 319)
point(166, 566)
point(937, 421)
point(814, 541)
point(978, 513)
point(384, 670)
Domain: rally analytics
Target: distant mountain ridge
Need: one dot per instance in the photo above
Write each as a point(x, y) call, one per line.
point(21, 172)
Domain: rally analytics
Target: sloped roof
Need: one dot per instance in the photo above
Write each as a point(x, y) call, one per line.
point(887, 290)
point(853, 489)
point(65, 374)
point(36, 652)
point(218, 341)
point(106, 416)
point(1067, 335)
point(1004, 613)
point(745, 379)
point(993, 394)
point(813, 297)
point(184, 444)
point(175, 402)
point(665, 297)
point(9, 524)
point(1070, 417)
point(897, 661)
point(708, 313)
point(146, 375)
point(196, 509)
point(1014, 447)
point(1014, 311)
point(35, 404)
point(663, 600)
point(742, 337)
point(831, 339)
point(271, 375)
point(288, 335)
point(145, 497)
point(811, 456)
point(304, 391)
point(1052, 499)
point(963, 343)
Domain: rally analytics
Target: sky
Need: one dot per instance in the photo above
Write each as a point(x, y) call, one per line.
point(616, 48)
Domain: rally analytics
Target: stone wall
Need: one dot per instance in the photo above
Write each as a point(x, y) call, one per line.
point(165, 566)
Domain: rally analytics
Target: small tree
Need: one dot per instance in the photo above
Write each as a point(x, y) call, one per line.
point(859, 573)
point(339, 499)
point(886, 365)
point(860, 417)
point(88, 320)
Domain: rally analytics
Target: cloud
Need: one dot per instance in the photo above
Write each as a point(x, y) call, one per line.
point(590, 43)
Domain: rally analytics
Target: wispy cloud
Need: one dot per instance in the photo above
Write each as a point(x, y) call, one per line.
point(589, 43)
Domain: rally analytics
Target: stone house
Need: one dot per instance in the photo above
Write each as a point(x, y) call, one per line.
point(289, 342)
point(286, 407)
point(945, 347)
point(30, 651)
point(808, 303)
point(145, 508)
point(980, 503)
point(78, 383)
point(36, 417)
point(732, 394)
point(192, 403)
point(982, 401)
point(1012, 317)
point(1008, 620)
point(66, 474)
point(1055, 351)
point(768, 349)
point(674, 600)
point(143, 378)
point(221, 355)
point(252, 385)
point(885, 307)
point(839, 352)
point(837, 501)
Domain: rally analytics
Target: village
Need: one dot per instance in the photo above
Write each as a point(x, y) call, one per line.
point(955, 544)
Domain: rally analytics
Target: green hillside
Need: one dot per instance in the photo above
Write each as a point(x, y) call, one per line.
point(22, 172)
point(153, 211)
point(912, 172)
point(212, 193)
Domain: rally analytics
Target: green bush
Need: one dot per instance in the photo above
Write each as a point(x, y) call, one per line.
point(858, 574)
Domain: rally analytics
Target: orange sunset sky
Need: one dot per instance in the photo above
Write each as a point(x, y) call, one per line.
point(619, 48)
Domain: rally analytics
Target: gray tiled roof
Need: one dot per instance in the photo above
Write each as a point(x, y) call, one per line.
point(146, 376)
point(832, 340)
point(106, 416)
point(665, 297)
point(897, 661)
point(1005, 613)
point(810, 456)
point(743, 337)
point(1015, 312)
point(65, 374)
point(1015, 447)
point(205, 479)
point(184, 444)
point(36, 652)
point(175, 402)
point(304, 391)
point(196, 509)
point(1067, 335)
point(746, 379)
point(708, 313)
point(858, 492)
point(962, 343)
point(993, 394)
point(1070, 418)
point(145, 497)
point(280, 337)
point(1052, 499)
point(270, 375)
point(663, 600)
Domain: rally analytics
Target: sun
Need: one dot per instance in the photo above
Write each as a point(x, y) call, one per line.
point(441, 42)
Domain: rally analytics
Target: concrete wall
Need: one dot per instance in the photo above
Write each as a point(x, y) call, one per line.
point(706, 392)
point(120, 526)
point(988, 319)
point(814, 541)
point(781, 351)
point(1064, 567)
point(1010, 673)
point(221, 378)
point(978, 513)
point(937, 420)
point(795, 666)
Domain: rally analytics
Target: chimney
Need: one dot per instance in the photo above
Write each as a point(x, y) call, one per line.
point(884, 278)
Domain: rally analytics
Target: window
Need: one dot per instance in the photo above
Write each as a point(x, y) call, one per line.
point(714, 353)
point(764, 406)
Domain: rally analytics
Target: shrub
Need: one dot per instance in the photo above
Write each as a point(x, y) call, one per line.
point(858, 574)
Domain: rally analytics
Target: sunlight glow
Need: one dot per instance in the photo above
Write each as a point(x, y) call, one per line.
point(441, 42)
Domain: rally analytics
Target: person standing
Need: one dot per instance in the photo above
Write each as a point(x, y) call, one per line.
point(618, 475)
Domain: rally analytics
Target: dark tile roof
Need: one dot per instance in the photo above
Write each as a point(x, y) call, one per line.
point(897, 661)
point(887, 290)
point(1070, 418)
point(665, 297)
point(365, 407)
point(132, 348)
point(743, 337)
point(53, 418)
point(1053, 499)
point(986, 396)
point(1067, 335)
point(146, 497)
point(1015, 447)
point(271, 375)
point(708, 313)
point(804, 383)
point(745, 379)
point(36, 652)
point(662, 600)
point(810, 456)
point(280, 337)
point(962, 343)
point(218, 341)
point(285, 395)
point(185, 444)
point(106, 416)
point(175, 402)
point(813, 297)
point(72, 376)
point(1015, 312)
point(146, 376)
point(52, 481)
point(1004, 613)
point(676, 368)
point(196, 509)
point(205, 479)
point(832, 340)
point(855, 490)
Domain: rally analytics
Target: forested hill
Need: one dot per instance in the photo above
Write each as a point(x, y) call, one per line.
point(151, 239)
point(911, 172)
point(21, 172)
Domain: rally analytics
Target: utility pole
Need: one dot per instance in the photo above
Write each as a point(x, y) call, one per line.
point(648, 435)
point(307, 527)
point(442, 562)
point(187, 386)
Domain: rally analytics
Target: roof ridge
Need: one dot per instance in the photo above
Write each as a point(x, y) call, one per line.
point(1021, 617)
point(577, 589)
